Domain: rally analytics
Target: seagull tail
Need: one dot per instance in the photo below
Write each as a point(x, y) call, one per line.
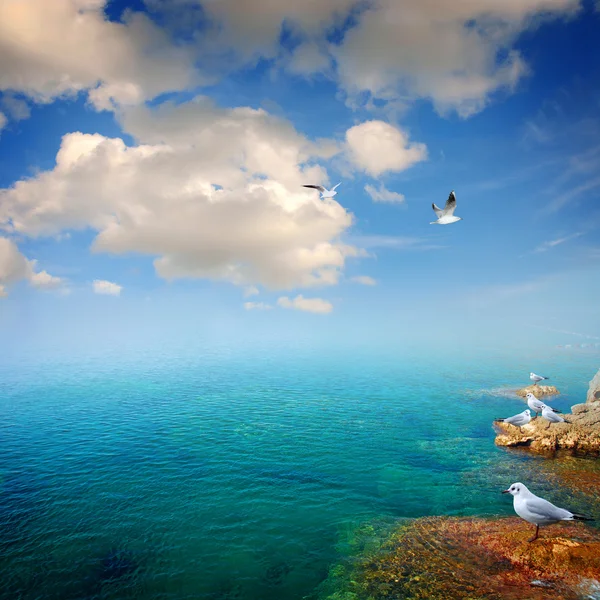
point(578, 517)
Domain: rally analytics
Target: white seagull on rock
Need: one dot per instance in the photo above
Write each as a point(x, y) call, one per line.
point(325, 193)
point(518, 420)
point(536, 378)
point(537, 406)
point(446, 215)
point(550, 415)
point(538, 511)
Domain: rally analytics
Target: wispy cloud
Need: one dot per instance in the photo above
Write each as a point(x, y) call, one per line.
point(382, 194)
point(394, 242)
point(544, 247)
point(251, 291)
point(568, 196)
point(363, 280)
point(314, 305)
point(490, 294)
point(257, 306)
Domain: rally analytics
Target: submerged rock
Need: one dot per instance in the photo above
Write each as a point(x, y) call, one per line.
point(473, 558)
point(580, 433)
point(539, 391)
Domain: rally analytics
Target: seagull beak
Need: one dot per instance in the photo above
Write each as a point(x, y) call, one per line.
point(505, 491)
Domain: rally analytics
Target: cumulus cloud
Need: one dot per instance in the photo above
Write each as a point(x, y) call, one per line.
point(382, 194)
point(15, 267)
point(3, 121)
point(257, 306)
point(106, 288)
point(363, 280)
point(457, 54)
point(212, 193)
point(315, 305)
point(376, 147)
point(53, 48)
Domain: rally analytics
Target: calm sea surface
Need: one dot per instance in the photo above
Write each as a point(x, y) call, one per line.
point(220, 474)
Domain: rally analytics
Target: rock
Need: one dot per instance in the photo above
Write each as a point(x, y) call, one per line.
point(473, 558)
point(539, 391)
point(593, 394)
point(580, 434)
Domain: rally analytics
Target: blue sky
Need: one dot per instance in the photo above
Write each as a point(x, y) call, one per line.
point(152, 156)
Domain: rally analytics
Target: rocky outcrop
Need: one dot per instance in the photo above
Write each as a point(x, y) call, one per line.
point(580, 433)
point(472, 558)
point(593, 394)
point(539, 391)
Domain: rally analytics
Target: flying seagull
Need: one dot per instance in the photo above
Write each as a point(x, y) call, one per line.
point(535, 378)
point(446, 216)
point(325, 193)
point(538, 511)
point(550, 415)
point(537, 406)
point(518, 420)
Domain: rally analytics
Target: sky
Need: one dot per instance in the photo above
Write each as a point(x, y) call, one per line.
point(153, 155)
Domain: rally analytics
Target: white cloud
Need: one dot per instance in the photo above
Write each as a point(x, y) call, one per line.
point(568, 197)
point(107, 288)
point(457, 54)
point(382, 194)
point(52, 48)
point(3, 121)
point(15, 267)
point(212, 193)
point(394, 242)
point(308, 59)
point(376, 147)
point(17, 108)
point(257, 306)
point(444, 51)
point(315, 305)
point(251, 291)
point(551, 244)
point(363, 280)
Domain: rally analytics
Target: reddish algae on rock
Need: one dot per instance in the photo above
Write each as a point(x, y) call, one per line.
point(443, 558)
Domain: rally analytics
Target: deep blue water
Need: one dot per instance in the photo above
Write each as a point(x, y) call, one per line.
point(222, 474)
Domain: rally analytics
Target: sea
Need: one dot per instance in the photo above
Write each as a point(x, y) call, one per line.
point(224, 473)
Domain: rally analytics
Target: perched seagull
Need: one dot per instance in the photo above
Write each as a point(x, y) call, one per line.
point(538, 511)
point(325, 193)
point(446, 215)
point(518, 420)
point(550, 415)
point(537, 406)
point(535, 378)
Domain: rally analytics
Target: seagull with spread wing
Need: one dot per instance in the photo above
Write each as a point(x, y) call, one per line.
point(446, 215)
point(325, 193)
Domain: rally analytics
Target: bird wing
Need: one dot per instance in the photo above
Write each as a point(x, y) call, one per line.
point(437, 210)
point(517, 420)
point(333, 188)
point(450, 205)
point(546, 510)
point(315, 187)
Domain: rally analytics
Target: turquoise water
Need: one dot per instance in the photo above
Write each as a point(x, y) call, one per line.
point(229, 474)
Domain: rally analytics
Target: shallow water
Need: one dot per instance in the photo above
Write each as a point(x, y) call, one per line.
point(222, 475)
